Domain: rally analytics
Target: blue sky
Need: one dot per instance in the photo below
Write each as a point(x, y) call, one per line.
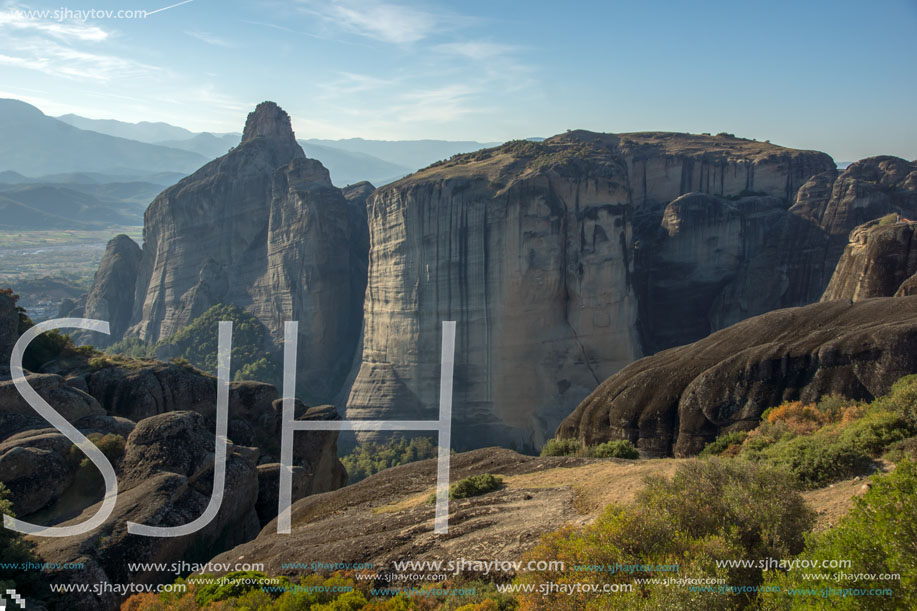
point(836, 76)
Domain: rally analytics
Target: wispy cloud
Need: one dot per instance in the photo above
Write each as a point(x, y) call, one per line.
point(378, 20)
point(15, 19)
point(62, 47)
point(437, 105)
point(208, 38)
point(68, 62)
point(349, 83)
point(475, 49)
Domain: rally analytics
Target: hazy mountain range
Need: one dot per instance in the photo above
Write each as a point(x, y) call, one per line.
point(349, 161)
point(72, 171)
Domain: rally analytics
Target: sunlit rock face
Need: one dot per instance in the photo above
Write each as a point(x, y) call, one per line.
point(563, 261)
point(263, 228)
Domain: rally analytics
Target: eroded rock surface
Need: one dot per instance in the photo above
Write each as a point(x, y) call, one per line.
point(678, 400)
point(262, 228)
point(563, 261)
point(112, 295)
point(876, 262)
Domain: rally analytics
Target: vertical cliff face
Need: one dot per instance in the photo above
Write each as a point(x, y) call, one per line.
point(866, 190)
point(876, 262)
point(532, 263)
point(879, 255)
point(263, 228)
point(560, 261)
point(112, 295)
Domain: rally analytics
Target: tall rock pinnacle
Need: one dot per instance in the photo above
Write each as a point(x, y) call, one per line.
point(268, 120)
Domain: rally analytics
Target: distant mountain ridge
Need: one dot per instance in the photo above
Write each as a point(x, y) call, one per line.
point(350, 160)
point(34, 144)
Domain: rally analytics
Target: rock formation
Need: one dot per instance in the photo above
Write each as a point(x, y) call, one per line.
point(384, 518)
point(112, 295)
point(875, 263)
point(866, 190)
point(165, 479)
point(563, 261)
point(165, 417)
point(679, 399)
point(262, 228)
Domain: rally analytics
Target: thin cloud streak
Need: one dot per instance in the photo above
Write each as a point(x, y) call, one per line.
point(381, 21)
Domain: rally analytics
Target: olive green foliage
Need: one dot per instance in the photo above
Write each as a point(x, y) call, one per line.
point(475, 485)
point(900, 450)
point(710, 510)
point(618, 448)
point(44, 348)
point(338, 592)
point(196, 344)
point(131, 346)
point(879, 536)
point(233, 585)
point(888, 219)
point(369, 458)
point(723, 442)
point(902, 400)
point(562, 447)
point(823, 443)
point(13, 548)
point(111, 445)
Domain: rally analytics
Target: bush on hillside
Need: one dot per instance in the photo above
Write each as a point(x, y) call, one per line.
point(723, 443)
point(710, 510)
point(475, 485)
point(370, 458)
point(879, 536)
point(619, 448)
point(562, 447)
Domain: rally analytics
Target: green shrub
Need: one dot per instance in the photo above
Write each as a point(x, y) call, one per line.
point(111, 445)
point(131, 346)
point(902, 400)
point(620, 448)
point(879, 536)
point(196, 345)
point(898, 451)
point(13, 549)
point(370, 458)
point(829, 454)
point(475, 485)
point(710, 510)
point(721, 443)
point(562, 447)
point(888, 219)
point(235, 584)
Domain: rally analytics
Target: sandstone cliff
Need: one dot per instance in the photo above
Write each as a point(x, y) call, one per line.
point(112, 295)
point(878, 259)
point(565, 260)
point(679, 399)
point(866, 190)
point(262, 228)
point(879, 255)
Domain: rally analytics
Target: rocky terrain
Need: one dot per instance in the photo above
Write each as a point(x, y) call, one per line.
point(387, 518)
point(564, 261)
point(156, 423)
point(866, 190)
point(676, 401)
point(261, 227)
point(112, 294)
point(879, 258)
point(561, 261)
